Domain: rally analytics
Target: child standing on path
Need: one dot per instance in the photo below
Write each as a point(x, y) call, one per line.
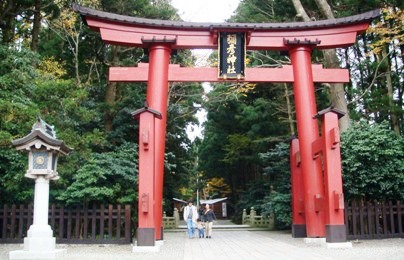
point(209, 216)
point(201, 227)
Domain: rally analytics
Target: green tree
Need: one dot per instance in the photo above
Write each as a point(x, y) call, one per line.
point(278, 201)
point(240, 126)
point(105, 178)
point(372, 162)
point(253, 196)
point(17, 114)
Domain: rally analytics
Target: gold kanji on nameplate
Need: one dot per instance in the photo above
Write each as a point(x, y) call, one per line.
point(232, 49)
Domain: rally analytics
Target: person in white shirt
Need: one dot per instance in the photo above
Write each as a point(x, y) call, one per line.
point(190, 217)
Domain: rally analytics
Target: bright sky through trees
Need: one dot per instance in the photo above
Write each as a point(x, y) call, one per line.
point(210, 11)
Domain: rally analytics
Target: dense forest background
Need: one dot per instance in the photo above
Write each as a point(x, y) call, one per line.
point(52, 66)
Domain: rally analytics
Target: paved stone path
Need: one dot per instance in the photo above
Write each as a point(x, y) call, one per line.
point(232, 242)
point(234, 245)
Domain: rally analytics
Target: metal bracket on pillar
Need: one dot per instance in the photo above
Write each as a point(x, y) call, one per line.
point(338, 201)
point(300, 209)
point(145, 139)
point(334, 137)
point(317, 147)
point(318, 203)
point(145, 202)
point(298, 158)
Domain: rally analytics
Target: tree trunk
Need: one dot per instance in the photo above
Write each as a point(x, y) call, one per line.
point(325, 8)
point(394, 118)
point(290, 110)
point(300, 12)
point(110, 93)
point(337, 93)
point(36, 26)
point(7, 22)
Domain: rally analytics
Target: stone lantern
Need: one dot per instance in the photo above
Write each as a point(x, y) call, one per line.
point(43, 150)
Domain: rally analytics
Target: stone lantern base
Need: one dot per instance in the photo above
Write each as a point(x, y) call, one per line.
point(39, 244)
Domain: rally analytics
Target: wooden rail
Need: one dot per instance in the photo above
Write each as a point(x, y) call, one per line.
point(111, 224)
point(374, 220)
point(254, 220)
point(97, 224)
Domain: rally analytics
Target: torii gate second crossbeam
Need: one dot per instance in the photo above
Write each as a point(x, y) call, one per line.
point(320, 213)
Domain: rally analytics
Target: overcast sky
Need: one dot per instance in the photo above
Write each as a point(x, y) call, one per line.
point(214, 11)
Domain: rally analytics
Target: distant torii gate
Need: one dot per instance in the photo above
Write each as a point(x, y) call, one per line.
point(317, 200)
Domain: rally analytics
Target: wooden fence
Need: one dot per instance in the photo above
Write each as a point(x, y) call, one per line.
point(112, 224)
point(101, 225)
point(374, 220)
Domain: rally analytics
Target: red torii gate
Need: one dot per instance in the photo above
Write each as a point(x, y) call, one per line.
point(317, 208)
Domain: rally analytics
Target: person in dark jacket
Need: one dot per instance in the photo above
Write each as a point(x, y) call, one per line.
point(209, 216)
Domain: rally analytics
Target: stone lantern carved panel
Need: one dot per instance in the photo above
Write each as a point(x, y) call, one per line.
point(40, 160)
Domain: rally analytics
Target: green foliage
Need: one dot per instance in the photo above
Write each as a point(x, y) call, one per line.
point(372, 162)
point(17, 114)
point(14, 186)
point(252, 197)
point(278, 201)
point(240, 126)
point(105, 178)
point(279, 205)
point(17, 76)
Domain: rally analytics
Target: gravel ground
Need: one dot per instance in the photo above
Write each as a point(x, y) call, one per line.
point(233, 245)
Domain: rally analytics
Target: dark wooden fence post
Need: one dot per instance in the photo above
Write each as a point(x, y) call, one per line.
point(118, 222)
point(391, 210)
point(127, 223)
point(4, 229)
point(77, 223)
point(110, 221)
point(21, 222)
point(377, 219)
point(399, 217)
point(93, 223)
point(85, 225)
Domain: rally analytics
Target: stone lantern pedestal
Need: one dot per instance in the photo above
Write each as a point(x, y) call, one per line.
point(43, 150)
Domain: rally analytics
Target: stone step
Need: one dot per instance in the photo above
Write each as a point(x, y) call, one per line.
point(182, 228)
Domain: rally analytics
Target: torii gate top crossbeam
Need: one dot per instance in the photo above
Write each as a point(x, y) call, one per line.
point(139, 32)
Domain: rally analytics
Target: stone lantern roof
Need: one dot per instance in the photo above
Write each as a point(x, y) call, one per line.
point(41, 134)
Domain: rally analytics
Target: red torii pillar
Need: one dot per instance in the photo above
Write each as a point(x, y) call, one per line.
point(146, 201)
point(334, 198)
point(157, 98)
point(308, 132)
point(160, 36)
point(298, 220)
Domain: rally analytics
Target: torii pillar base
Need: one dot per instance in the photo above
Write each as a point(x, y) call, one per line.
point(146, 241)
point(336, 237)
point(299, 230)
